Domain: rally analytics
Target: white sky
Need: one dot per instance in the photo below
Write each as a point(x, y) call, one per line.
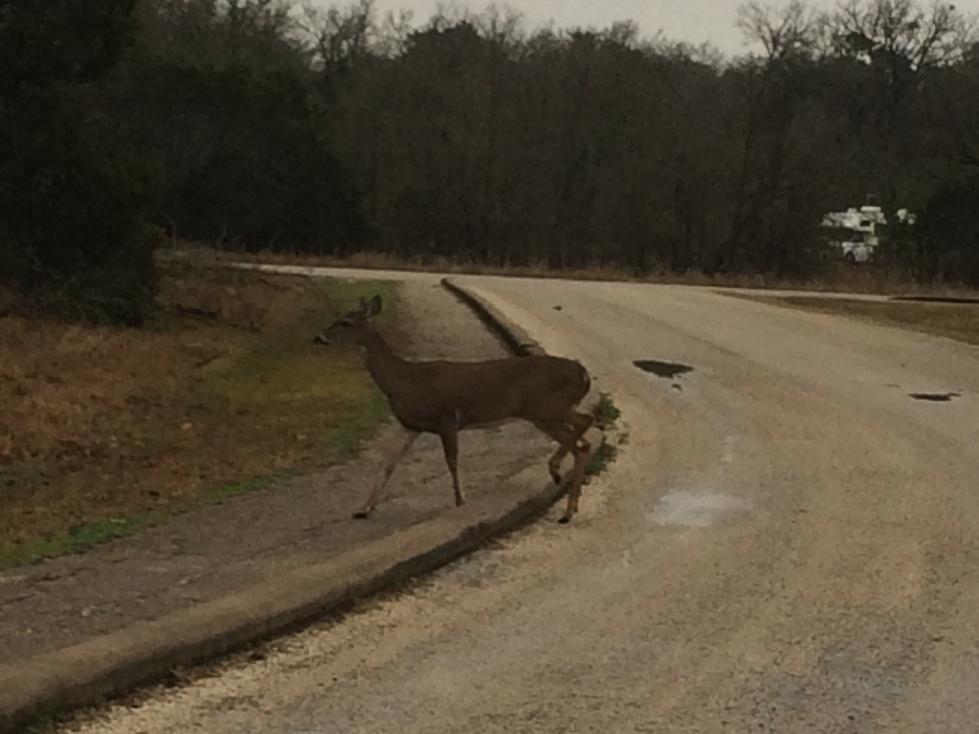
point(693, 21)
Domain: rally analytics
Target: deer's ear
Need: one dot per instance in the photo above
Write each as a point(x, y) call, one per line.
point(363, 304)
point(375, 306)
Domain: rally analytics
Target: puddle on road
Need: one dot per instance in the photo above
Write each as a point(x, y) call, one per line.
point(935, 397)
point(696, 509)
point(666, 370)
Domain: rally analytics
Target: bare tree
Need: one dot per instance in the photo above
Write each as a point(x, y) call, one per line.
point(764, 222)
point(340, 37)
point(782, 32)
point(894, 46)
point(900, 35)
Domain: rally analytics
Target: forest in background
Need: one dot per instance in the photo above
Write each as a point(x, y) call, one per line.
point(266, 125)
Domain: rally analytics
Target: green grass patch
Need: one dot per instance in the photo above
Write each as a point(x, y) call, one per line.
point(603, 455)
point(606, 419)
point(344, 439)
point(605, 412)
point(87, 535)
point(78, 539)
point(952, 320)
point(287, 365)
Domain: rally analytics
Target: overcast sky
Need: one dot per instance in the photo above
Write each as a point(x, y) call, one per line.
point(693, 21)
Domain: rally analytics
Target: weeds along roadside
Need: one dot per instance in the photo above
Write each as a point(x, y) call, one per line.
point(107, 431)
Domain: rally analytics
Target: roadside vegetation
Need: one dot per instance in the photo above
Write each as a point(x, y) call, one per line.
point(468, 138)
point(836, 277)
point(959, 321)
point(606, 420)
point(106, 430)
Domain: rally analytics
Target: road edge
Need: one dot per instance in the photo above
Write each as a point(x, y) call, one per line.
point(515, 338)
point(113, 665)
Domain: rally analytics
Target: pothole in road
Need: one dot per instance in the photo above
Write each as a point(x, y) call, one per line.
point(666, 370)
point(935, 397)
point(696, 509)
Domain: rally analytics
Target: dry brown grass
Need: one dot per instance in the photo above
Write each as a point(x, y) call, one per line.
point(951, 320)
point(224, 386)
point(839, 278)
point(203, 255)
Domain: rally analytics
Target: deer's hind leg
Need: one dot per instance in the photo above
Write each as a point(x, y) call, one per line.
point(582, 451)
point(581, 422)
point(390, 461)
point(568, 434)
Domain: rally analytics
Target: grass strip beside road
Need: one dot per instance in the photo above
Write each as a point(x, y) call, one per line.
point(958, 321)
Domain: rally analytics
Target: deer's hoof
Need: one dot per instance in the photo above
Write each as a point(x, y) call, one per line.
point(362, 514)
point(565, 520)
point(556, 477)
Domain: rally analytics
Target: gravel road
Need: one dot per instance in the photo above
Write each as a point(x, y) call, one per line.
point(789, 542)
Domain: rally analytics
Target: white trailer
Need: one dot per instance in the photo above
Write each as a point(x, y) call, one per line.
point(856, 233)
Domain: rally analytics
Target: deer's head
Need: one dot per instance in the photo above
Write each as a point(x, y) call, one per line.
point(353, 326)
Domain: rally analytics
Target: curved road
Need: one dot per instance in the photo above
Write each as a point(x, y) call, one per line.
point(789, 542)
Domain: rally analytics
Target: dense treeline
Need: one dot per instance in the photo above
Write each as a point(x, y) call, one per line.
point(73, 193)
point(472, 138)
point(266, 125)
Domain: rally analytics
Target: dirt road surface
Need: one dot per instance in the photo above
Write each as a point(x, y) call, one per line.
point(789, 542)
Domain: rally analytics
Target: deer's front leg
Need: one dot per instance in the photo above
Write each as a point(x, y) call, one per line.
point(398, 450)
point(449, 433)
point(554, 465)
point(582, 451)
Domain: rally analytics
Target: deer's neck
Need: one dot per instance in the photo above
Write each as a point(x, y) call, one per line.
point(387, 368)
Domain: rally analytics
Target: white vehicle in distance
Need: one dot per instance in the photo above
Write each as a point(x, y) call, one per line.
point(855, 234)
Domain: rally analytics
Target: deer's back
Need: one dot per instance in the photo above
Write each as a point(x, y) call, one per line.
point(538, 389)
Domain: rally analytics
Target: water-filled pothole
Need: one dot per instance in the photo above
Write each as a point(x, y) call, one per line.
point(666, 370)
point(935, 397)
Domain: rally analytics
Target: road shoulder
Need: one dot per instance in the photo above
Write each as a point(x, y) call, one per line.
point(83, 628)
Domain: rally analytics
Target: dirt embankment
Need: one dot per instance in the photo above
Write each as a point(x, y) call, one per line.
point(103, 425)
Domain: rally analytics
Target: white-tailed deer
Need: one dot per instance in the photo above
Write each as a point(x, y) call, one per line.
point(444, 398)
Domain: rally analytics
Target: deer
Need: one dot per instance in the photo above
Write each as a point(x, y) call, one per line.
point(444, 397)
